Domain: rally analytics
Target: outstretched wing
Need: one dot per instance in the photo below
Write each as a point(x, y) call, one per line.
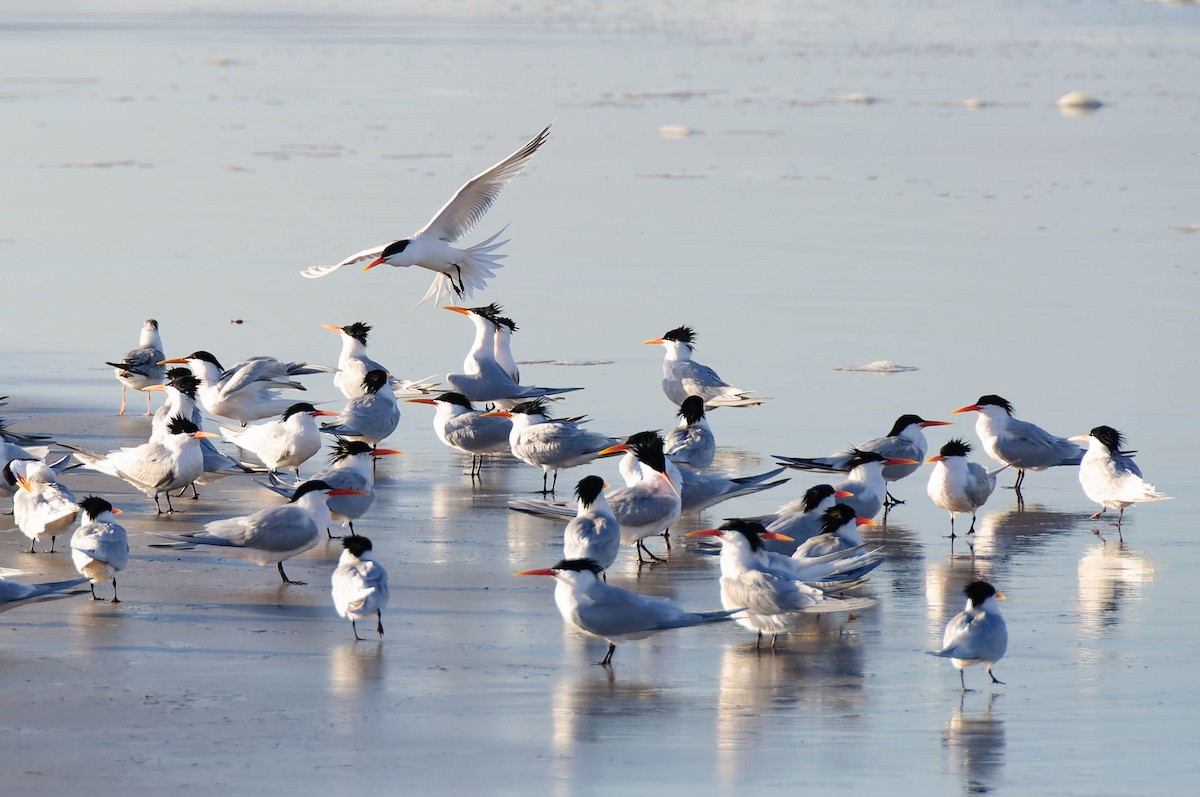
point(366, 255)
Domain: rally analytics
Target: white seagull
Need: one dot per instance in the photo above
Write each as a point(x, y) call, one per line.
point(459, 270)
point(1018, 443)
point(977, 634)
point(1109, 476)
point(959, 485)
point(141, 367)
point(683, 377)
point(359, 584)
point(611, 613)
point(100, 546)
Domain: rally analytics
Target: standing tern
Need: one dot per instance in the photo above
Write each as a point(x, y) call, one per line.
point(839, 532)
point(287, 442)
point(611, 613)
point(353, 363)
point(181, 390)
point(800, 519)
point(1109, 476)
point(691, 443)
point(977, 634)
point(864, 479)
point(958, 485)
point(100, 546)
point(505, 327)
point(650, 502)
point(351, 467)
point(247, 391)
point(359, 584)
point(1018, 443)
point(462, 427)
point(906, 440)
point(683, 377)
point(550, 443)
point(18, 593)
point(594, 532)
point(41, 507)
point(156, 467)
point(459, 270)
point(369, 417)
point(275, 534)
point(141, 367)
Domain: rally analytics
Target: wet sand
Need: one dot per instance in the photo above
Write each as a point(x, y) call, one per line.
point(189, 171)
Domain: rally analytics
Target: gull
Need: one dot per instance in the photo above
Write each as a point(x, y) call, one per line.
point(977, 634)
point(1109, 476)
point(691, 443)
point(100, 546)
point(369, 417)
point(275, 534)
point(18, 593)
point(958, 485)
point(459, 270)
point(141, 367)
point(683, 377)
point(287, 442)
point(1018, 443)
point(594, 532)
point(41, 507)
point(462, 427)
point(611, 613)
point(359, 584)
point(550, 443)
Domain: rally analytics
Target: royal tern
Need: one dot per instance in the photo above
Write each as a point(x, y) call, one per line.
point(284, 443)
point(905, 440)
point(18, 593)
point(1109, 476)
point(351, 467)
point(359, 584)
point(958, 485)
point(181, 391)
point(275, 534)
point(839, 532)
point(594, 532)
point(41, 507)
point(505, 327)
point(611, 613)
point(550, 443)
point(864, 479)
point(799, 519)
point(841, 568)
point(142, 366)
point(774, 601)
point(977, 634)
point(462, 427)
point(10, 452)
point(247, 391)
point(1018, 443)
point(683, 377)
point(691, 443)
point(353, 363)
point(370, 417)
point(483, 378)
point(99, 547)
point(459, 270)
point(650, 502)
point(156, 467)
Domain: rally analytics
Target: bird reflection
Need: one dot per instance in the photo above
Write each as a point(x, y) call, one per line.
point(355, 668)
point(944, 582)
point(1110, 576)
point(974, 742)
point(1001, 535)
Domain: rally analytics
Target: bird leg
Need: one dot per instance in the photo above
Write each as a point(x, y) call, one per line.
point(122, 410)
point(1101, 512)
point(148, 412)
point(607, 662)
point(92, 586)
point(460, 289)
point(287, 580)
point(953, 536)
point(972, 529)
point(995, 680)
point(52, 539)
point(115, 598)
point(353, 627)
point(666, 535)
point(890, 500)
point(330, 533)
point(640, 545)
point(1120, 516)
point(554, 481)
point(379, 622)
point(758, 641)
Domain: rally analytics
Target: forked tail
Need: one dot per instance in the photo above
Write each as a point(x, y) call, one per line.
point(470, 275)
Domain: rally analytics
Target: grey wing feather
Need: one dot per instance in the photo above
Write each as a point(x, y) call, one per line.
point(313, 272)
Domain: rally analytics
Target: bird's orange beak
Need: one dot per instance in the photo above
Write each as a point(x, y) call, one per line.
point(203, 433)
point(652, 340)
point(541, 571)
point(173, 361)
point(324, 413)
point(843, 494)
point(938, 458)
point(373, 264)
point(116, 511)
point(927, 424)
point(21, 480)
point(900, 462)
point(344, 491)
point(496, 414)
point(156, 388)
point(705, 533)
point(1000, 596)
point(453, 309)
point(421, 401)
point(670, 484)
point(332, 327)
point(385, 452)
point(864, 521)
point(968, 408)
point(619, 448)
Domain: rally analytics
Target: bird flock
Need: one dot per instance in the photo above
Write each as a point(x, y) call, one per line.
point(806, 558)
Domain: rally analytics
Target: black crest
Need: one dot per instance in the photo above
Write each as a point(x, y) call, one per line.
point(996, 401)
point(208, 358)
point(343, 448)
point(578, 565)
point(455, 398)
point(358, 330)
point(535, 407)
point(750, 529)
point(1110, 437)
point(955, 447)
point(979, 591)
point(589, 489)
point(692, 409)
point(308, 487)
point(394, 248)
point(814, 495)
point(903, 422)
point(685, 335)
point(180, 425)
point(94, 506)
point(835, 517)
point(374, 380)
point(648, 448)
point(860, 457)
point(356, 544)
point(299, 407)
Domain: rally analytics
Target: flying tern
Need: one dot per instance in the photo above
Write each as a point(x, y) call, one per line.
point(359, 584)
point(977, 634)
point(462, 271)
point(141, 367)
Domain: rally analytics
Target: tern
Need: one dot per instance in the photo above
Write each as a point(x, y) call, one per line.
point(100, 546)
point(864, 479)
point(41, 507)
point(247, 391)
point(594, 532)
point(1109, 475)
point(141, 367)
point(462, 427)
point(276, 534)
point(650, 502)
point(839, 532)
point(462, 271)
point(359, 584)
point(505, 327)
point(181, 390)
point(800, 519)
point(288, 442)
point(156, 467)
point(683, 377)
point(611, 613)
point(774, 601)
point(977, 634)
point(958, 485)
point(369, 417)
point(905, 440)
point(550, 443)
point(1018, 443)
point(353, 363)
point(691, 443)
point(351, 467)
point(18, 593)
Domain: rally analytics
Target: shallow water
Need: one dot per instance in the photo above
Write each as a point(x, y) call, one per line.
point(187, 167)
